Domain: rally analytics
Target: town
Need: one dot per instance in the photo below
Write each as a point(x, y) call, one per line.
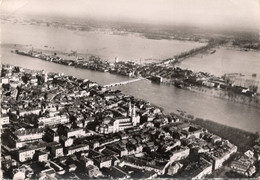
point(164, 72)
point(56, 126)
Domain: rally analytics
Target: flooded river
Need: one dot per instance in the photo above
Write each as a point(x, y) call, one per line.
point(129, 47)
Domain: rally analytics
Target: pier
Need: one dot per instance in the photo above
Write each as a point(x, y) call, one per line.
point(124, 82)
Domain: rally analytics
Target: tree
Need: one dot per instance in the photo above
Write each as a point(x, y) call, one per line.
point(16, 69)
point(3, 72)
point(6, 87)
point(12, 117)
point(32, 119)
point(25, 79)
point(40, 79)
point(253, 88)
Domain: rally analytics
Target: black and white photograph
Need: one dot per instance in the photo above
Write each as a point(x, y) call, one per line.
point(130, 89)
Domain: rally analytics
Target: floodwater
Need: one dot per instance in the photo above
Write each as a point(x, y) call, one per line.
point(228, 61)
point(168, 97)
point(107, 46)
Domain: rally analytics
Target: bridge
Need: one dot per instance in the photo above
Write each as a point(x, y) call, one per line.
point(124, 82)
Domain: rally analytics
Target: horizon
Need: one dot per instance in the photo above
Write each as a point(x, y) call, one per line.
point(223, 14)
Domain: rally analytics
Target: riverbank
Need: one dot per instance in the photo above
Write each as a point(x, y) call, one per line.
point(242, 139)
point(225, 95)
point(238, 48)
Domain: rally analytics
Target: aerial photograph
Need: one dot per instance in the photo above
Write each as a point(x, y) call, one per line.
point(130, 89)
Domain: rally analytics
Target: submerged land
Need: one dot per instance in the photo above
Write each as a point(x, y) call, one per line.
point(65, 127)
point(163, 72)
point(246, 39)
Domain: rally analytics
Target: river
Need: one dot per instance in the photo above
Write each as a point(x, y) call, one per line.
point(107, 46)
point(168, 97)
point(226, 60)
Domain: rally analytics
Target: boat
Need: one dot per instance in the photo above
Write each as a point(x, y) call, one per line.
point(254, 75)
point(233, 74)
point(179, 85)
point(213, 51)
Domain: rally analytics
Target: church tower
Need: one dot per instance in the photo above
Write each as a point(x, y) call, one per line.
point(135, 118)
point(45, 77)
point(129, 113)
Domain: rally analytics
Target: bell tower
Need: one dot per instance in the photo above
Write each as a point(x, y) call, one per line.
point(129, 113)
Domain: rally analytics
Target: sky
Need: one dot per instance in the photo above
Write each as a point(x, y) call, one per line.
point(237, 13)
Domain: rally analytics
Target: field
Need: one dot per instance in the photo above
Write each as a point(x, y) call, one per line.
point(242, 139)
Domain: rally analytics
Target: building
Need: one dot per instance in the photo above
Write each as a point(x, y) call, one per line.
point(66, 142)
point(25, 155)
point(220, 155)
point(93, 171)
point(204, 169)
point(57, 151)
point(20, 137)
point(121, 151)
point(117, 173)
point(244, 165)
point(4, 80)
point(179, 154)
point(28, 134)
point(5, 120)
point(42, 156)
point(51, 135)
point(54, 120)
point(28, 153)
point(103, 161)
point(174, 168)
point(78, 148)
point(75, 132)
point(120, 123)
point(197, 170)
point(84, 161)
point(27, 112)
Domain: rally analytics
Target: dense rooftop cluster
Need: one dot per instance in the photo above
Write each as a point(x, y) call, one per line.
point(62, 127)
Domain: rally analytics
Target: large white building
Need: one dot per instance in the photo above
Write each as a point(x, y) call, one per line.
point(33, 111)
point(73, 149)
point(54, 120)
point(182, 153)
point(20, 137)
